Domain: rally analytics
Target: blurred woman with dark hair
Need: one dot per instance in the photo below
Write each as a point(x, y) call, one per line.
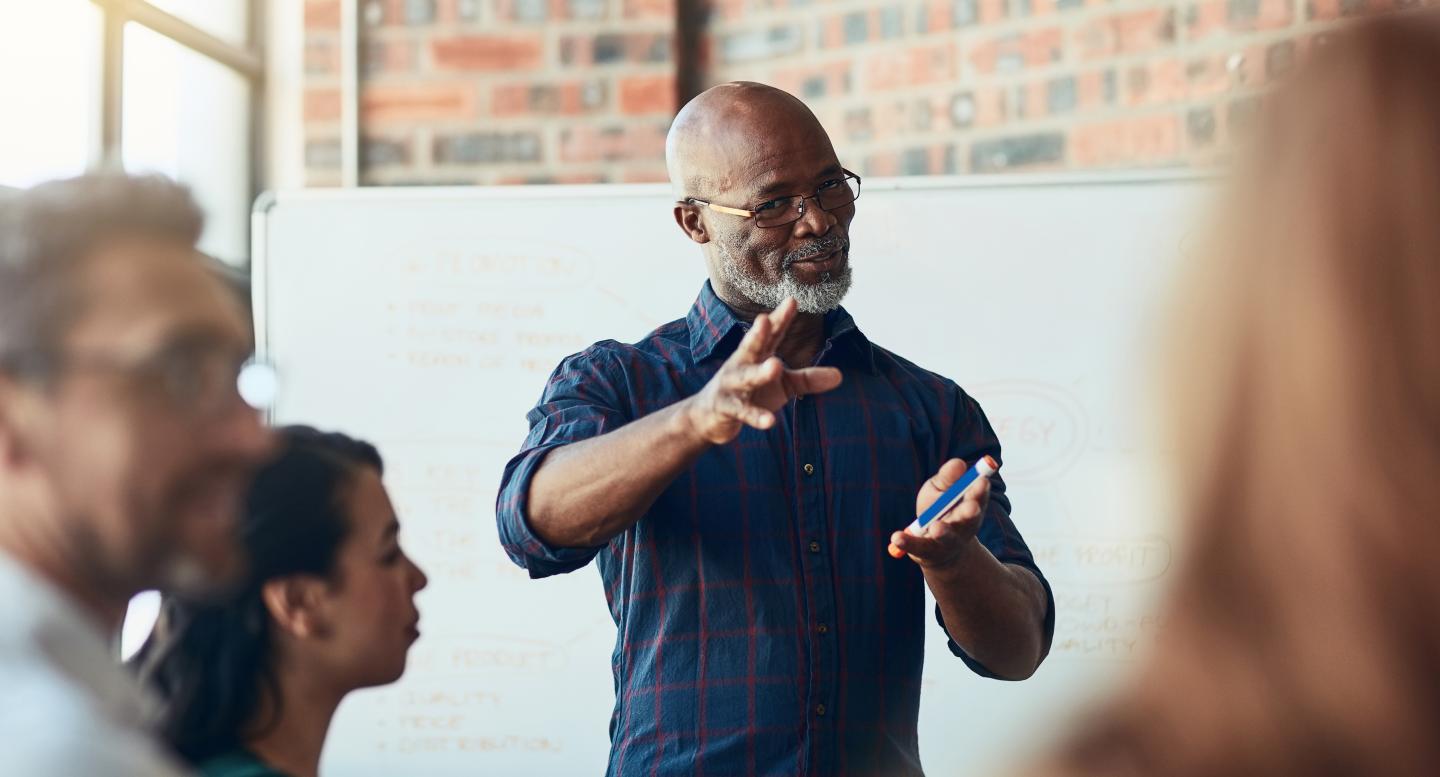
point(1305, 631)
point(250, 685)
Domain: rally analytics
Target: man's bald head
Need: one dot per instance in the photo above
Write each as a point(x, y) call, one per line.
point(752, 147)
point(716, 136)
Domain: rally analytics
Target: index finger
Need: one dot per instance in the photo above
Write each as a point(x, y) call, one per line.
point(766, 333)
point(780, 320)
point(752, 348)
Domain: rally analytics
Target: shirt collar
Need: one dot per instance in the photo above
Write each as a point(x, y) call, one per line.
point(715, 329)
point(63, 634)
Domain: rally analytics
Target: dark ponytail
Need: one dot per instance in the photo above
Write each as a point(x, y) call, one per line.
point(211, 662)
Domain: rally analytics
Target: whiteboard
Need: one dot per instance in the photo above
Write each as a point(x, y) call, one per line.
point(427, 320)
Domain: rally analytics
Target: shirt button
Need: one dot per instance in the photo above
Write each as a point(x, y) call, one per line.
point(820, 710)
point(814, 547)
point(809, 469)
point(823, 629)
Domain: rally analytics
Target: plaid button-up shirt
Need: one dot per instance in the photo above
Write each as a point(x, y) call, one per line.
point(762, 627)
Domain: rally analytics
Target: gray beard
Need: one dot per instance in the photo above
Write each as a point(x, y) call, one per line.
point(816, 299)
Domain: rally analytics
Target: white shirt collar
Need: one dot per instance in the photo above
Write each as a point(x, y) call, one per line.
point(41, 619)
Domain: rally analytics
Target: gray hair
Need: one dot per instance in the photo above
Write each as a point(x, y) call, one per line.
point(47, 231)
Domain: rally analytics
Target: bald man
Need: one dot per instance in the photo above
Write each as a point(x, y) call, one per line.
point(739, 474)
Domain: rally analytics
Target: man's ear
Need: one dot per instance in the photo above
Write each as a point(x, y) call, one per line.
point(296, 603)
point(688, 217)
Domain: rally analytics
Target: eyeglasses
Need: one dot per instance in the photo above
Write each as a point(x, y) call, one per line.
point(834, 193)
point(196, 378)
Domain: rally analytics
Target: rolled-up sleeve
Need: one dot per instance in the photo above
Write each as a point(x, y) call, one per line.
point(582, 399)
point(972, 438)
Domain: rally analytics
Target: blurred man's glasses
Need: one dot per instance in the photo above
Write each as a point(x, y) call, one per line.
point(830, 195)
point(199, 379)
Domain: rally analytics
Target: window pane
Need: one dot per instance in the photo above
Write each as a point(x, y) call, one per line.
point(189, 117)
point(49, 89)
point(225, 19)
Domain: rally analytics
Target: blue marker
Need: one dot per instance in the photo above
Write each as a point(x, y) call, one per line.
point(983, 468)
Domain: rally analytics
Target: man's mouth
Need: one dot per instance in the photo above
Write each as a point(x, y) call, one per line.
point(822, 263)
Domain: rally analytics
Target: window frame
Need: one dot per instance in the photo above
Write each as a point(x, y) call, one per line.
point(247, 61)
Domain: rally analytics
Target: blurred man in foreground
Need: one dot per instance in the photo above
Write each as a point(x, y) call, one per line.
point(125, 450)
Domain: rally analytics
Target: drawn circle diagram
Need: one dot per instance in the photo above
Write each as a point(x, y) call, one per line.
point(1041, 426)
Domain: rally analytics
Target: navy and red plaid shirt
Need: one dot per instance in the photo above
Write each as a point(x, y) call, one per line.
point(762, 627)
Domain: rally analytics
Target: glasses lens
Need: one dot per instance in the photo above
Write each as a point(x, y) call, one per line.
point(840, 195)
point(788, 212)
point(258, 384)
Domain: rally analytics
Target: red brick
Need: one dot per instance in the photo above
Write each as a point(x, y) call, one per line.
point(1210, 17)
point(1205, 18)
point(322, 105)
point(833, 34)
point(939, 16)
point(322, 15)
point(416, 102)
point(992, 11)
point(487, 52)
point(937, 159)
point(1036, 100)
point(640, 95)
point(510, 100)
point(888, 121)
point(917, 66)
point(990, 107)
point(1090, 88)
point(1135, 32)
point(394, 12)
point(727, 10)
point(390, 56)
point(883, 164)
point(1030, 49)
point(649, 9)
point(1145, 30)
point(520, 99)
point(589, 143)
point(1143, 140)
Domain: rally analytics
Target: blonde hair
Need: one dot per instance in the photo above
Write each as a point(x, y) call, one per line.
point(1305, 631)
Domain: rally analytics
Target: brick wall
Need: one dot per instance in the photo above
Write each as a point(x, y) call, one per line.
point(520, 91)
point(496, 91)
point(321, 111)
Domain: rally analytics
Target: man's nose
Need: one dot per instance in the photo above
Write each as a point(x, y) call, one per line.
point(815, 221)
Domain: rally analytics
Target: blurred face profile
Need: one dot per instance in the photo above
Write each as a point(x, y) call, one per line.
point(142, 442)
point(371, 618)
